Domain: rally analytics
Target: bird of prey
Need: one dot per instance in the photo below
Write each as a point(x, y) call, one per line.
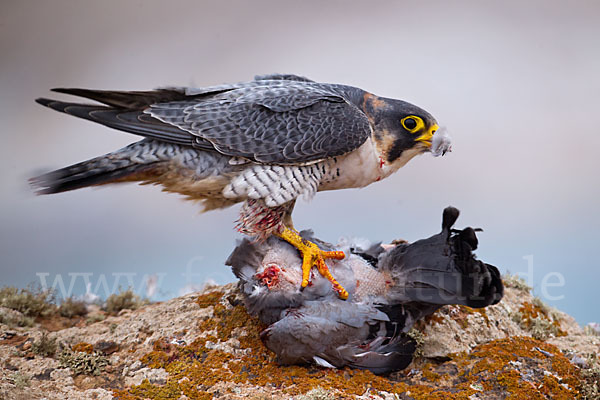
point(391, 287)
point(264, 142)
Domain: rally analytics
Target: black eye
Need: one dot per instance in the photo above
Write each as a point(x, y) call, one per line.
point(410, 123)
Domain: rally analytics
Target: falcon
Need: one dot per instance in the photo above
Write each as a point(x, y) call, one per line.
point(264, 143)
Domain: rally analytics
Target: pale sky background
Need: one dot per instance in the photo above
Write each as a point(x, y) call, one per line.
point(516, 83)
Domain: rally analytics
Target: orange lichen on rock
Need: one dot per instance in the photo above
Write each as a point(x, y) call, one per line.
point(435, 318)
point(230, 351)
point(531, 312)
point(195, 368)
point(461, 314)
point(162, 352)
point(458, 313)
point(480, 311)
point(513, 368)
point(83, 347)
point(523, 367)
point(429, 374)
point(209, 299)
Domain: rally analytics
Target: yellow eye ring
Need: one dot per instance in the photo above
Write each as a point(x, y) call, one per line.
point(412, 123)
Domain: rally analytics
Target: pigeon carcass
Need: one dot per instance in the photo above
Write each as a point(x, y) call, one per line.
point(390, 286)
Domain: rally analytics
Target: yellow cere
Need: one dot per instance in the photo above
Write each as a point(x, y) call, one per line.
point(427, 136)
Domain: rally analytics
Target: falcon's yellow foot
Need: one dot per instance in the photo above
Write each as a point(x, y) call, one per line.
point(313, 255)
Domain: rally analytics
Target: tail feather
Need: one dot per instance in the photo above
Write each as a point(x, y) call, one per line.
point(123, 111)
point(109, 168)
point(78, 176)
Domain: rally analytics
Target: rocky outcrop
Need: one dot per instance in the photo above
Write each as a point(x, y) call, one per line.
point(205, 345)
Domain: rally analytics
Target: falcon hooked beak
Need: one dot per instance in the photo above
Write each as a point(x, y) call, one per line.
point(436, 140)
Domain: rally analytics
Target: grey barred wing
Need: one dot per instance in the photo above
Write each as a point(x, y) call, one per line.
point(289, 123)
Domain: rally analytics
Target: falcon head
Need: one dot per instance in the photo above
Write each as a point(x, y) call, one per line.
point(402, 130)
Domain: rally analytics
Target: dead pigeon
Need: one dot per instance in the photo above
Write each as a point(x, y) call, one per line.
point(390, 287)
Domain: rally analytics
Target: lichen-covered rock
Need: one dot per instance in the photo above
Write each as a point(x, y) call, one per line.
point(205, 345)
point(154, 376)
point(454, 329)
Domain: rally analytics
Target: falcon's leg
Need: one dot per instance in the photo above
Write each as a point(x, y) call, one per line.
point(260, 221)
point(313, 255)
